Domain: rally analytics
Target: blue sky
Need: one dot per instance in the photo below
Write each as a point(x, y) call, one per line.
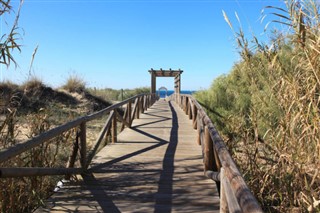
point(114, 43)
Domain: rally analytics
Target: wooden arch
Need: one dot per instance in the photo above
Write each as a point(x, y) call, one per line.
point(166, 73)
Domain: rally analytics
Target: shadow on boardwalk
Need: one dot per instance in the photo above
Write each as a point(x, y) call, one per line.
point(166, 177)
point(156, 166)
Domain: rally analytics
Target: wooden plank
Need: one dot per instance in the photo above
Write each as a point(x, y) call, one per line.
point(114, 128)
point(230, 197)
point(223, 198)
point(208, 151)
point(154, 167)
point(83, 144)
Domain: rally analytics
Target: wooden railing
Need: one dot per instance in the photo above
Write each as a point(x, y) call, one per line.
point(134, 106)
point(235, 196)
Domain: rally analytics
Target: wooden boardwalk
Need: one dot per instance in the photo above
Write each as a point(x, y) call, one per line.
point(156, 166)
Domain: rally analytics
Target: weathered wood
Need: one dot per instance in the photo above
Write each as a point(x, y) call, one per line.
point(190, 110)
point(208, 150)
point(72, 158)
point(138, 108)
point(213, 175)
point(199, 129)
point(129, 112)
point(154, 167)
point(133, 114)
point(37, 171)
point(223, 198)
point(103, 131)
point(194, 117)
point(124, 122)
point(114, 127)
point(232, 203)
point(142, 104)
point(125, 116)
point(246, 200)
point(83, 144)
point(13, 151)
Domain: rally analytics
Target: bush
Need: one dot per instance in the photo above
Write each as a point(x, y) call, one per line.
point(269, 107)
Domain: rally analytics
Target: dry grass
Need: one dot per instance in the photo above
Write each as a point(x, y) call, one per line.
point(270, 111)
point(74, 84)
point(39, 108)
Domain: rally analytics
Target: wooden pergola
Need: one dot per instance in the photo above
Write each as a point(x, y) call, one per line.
point(166, 73)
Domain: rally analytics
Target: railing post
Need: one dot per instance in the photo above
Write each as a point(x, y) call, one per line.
point(83, 145)
point(199, 129)
point(194, 117)
point(72, 158)
point(138, 108)
point(190, 110)
point(129, 106)
point(142, 104)
point(208, 151)
point(114, 127)
point(223, 198)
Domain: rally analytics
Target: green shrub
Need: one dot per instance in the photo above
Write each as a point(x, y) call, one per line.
point(268, 110)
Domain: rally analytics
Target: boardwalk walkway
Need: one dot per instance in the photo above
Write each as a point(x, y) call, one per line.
point(156, 166)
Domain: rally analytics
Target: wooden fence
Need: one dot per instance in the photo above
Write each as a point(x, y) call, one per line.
point(134, 106)
point(235, 196)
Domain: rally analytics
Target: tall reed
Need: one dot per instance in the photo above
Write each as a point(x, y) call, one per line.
point(268, 110)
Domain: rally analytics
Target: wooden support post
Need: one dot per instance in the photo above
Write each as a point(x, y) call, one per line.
point(145, 102)
point(199, 130)
point(194, 117)
point(148, 101)
point(129, 110)
point(142, 104)
point(187, 106)
point(208, 150)
point(138, 108)
point(72, 158)
point(83, 144)
point(190, 110)
point(114, 127)
point(223, 198)
point(134, 111)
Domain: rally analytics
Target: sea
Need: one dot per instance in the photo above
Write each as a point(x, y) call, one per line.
point(164, 94)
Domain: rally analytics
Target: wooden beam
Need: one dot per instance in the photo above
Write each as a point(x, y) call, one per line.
point(208, 150)
point(120, 118)
point(232, 203)
point(223, 198)
point(13, 151)
point(114, 128)
point(213, 175)
point(194, 117)
point(83, 144)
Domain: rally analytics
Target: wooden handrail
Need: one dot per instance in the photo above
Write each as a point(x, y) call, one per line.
point(81, 142)
point(218, 163)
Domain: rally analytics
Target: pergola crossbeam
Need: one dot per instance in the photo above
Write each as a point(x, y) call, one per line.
point(166, 73)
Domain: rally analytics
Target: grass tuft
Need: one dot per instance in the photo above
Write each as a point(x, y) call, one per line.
point(74, 84)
